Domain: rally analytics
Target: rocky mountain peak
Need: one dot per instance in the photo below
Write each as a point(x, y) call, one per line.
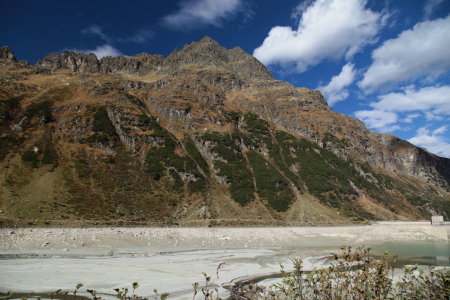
point(247, 65)
point(7, 55)
point(80, 62)
point(75, 62)
point(207, 40)
point(147, 58)
point(207, 53)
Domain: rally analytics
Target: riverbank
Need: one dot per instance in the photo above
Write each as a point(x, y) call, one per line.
point(171, 259)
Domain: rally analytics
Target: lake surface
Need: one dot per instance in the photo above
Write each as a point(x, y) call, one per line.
point(422, 253)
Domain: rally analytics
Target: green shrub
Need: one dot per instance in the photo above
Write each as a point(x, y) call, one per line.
point(7, 107)
point(8, 143)
point(196, 155)
point(163, 159)
point(256, 125)
point(143, 119)
point(102, 123)
point(41, 109)
point(29, 156)
point(270, 184)
point(235, 168)
point(32, 157)
point(48, 157)
point(197, 186)
point(232, 116)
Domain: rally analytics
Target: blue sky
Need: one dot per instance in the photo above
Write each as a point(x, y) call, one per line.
point(384, 62)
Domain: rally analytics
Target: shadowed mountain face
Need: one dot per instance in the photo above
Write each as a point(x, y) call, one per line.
point(205, 136)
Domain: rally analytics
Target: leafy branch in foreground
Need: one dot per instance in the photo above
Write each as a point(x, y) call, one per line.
point(355, 275)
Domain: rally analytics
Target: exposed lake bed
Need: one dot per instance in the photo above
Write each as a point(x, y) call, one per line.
point(172, 259)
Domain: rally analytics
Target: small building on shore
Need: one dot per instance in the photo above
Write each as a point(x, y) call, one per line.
point(437, 220)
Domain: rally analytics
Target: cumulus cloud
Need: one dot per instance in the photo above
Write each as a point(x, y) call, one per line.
point(393, 109)
point(335, 90)
point(197, 13)
point(435, 99)
point(434, 141)
point(380, 120)
point(431, 6)
point(105, 50)
point(420, 51)
point(100, 51)
point(328, 29)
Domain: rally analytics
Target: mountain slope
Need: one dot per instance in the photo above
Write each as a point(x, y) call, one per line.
point(205, 136)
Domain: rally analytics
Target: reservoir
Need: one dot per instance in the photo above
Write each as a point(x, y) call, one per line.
point(172, 259)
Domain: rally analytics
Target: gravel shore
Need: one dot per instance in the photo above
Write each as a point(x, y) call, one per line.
point(105, 240)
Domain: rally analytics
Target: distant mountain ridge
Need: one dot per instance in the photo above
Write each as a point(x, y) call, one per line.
point(205, 53)
point(203, 136)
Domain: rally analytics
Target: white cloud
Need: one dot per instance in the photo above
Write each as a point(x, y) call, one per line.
point(96, 30)
point(433, 102)
point(440, 130)
point(420, 51)
point(100, 51)
point(140, 37)
point(105, 50)
point(410, 118)
point(431, 6)
point(434, 142)
point(432, 117)
point(328, 29)
point(435, 99)
point(381, 120)
point(335, 90)
point(197, 13)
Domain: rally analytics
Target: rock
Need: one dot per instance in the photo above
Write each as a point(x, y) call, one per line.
point(7, 55)
point(17, 128)
point(207, 52)
point(75, 62)
point(140, 64)
point(248, 66)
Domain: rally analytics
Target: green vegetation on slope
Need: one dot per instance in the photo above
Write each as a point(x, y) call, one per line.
point(231, 164)
point(166, 158)
point(271, 185)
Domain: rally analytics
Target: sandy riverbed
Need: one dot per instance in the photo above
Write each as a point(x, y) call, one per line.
point(171, 259)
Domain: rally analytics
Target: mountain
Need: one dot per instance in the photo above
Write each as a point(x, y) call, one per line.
point(205, 136)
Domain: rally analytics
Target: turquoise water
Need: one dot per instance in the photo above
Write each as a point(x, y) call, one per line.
point(422, 253)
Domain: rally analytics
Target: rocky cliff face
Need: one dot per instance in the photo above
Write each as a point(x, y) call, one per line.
point(204, 136)
point(7, 55)
point(140, 64)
